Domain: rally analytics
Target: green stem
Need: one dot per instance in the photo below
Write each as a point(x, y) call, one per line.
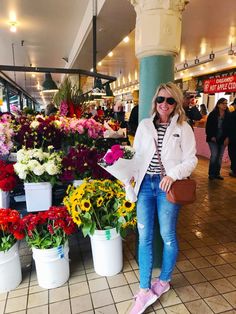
point(97, 219)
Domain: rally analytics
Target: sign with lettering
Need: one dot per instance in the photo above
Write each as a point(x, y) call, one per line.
point(221, 84)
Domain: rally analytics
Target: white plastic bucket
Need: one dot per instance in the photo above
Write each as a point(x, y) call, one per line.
point(4, 199)
point(77, 183)
point(52, 266)
point(10, 269)
point(38, 196)
point(107, 252)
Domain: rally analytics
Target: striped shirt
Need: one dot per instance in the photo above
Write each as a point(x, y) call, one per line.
point(154, 166)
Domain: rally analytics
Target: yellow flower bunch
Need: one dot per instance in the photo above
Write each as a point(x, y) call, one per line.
point(100, 204)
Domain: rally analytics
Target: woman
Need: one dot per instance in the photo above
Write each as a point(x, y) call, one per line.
point(168, 131)
point(216, 137)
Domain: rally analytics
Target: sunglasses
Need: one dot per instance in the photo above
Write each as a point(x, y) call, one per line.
point(170, 100)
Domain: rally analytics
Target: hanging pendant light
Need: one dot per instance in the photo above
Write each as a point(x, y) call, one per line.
point(109, 93)
point(98, 87)
point(49, 86)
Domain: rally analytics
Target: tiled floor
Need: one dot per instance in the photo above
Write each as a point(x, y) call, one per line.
point(204, 280)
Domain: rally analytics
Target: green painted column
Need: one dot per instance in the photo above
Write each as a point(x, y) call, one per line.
point(153, 71)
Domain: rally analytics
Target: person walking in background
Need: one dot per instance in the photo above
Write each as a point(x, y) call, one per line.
point(133, 120)
point(164, 143)
point(216, 136)
point(231, 133)
point(191, 110)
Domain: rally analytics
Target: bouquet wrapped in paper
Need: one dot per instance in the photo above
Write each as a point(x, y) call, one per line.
point(118, 161)
point(113, 129)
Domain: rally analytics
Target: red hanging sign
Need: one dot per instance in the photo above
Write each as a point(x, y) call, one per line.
point(222, 84)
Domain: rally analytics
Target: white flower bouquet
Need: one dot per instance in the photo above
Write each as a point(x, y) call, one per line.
point(35, 165)
point(118, 161)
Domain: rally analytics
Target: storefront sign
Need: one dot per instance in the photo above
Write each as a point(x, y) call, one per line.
point(222, 84)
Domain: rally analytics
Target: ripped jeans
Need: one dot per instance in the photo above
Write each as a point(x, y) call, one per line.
point(150, 199)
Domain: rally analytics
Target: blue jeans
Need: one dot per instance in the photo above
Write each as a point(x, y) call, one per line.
point(217, 151)
point(150, 199)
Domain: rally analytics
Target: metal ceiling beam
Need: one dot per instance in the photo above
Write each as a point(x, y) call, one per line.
point(57, 70)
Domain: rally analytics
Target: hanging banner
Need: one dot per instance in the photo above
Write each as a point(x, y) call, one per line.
point(222, 84)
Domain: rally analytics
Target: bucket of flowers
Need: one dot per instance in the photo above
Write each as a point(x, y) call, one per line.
point(10, 231)
point(118, 161)
point(47, 234)
point(100, 209)
point(39, 170)
point(8, 180)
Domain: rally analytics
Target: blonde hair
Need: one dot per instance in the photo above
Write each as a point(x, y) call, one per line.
point(177, 94)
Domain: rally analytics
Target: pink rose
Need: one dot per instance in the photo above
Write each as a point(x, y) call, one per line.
point(118, 154)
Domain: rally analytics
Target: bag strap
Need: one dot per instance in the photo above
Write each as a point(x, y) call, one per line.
point(159, 159)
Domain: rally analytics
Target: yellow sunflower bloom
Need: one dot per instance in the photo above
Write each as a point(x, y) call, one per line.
point(100, 201)
point(128, 206)
point(86, 205)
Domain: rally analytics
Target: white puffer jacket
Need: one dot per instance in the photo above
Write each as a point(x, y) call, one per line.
point(178, 153)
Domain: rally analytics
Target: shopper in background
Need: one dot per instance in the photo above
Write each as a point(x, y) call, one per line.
point(164, 141)
point(216, 136)
point(202, 122)
point(191, 110)
point(231, 133)
point(133, 120)
point(119, 113)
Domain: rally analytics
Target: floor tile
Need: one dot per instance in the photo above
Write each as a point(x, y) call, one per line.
point(98, 284)
point(62, 307)
point(81, 304)
point(187, 294)
point(121, 293)
point(205, 289)
point(117, 280)
point(110, 309)
point(102, 298)
point(41, 310)
point(231, 298)
point(58, 294)
point(37, 299)
point(78, 289)
point(197, 307)
point(194, 276)
point(176, 309)
point(16, 304)
point(218, 304)
point(222, 285)
point(210, 273)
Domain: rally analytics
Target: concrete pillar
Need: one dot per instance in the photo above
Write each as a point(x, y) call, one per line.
point(157, 42)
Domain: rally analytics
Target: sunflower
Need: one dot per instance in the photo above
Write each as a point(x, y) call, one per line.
point(76, 219)
point(120, 194)
point(86, 205)
point(100, 201)
point(128, 206)
point(109, 194)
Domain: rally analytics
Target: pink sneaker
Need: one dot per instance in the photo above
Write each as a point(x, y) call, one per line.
point(143, 301)
point(159, 288)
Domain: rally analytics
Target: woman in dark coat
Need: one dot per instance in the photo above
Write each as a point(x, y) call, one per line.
point(216, 136)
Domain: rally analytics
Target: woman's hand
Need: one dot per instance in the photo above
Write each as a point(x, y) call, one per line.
point(166, 183)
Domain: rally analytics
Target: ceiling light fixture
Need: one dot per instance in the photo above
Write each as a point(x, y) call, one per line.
point(98, 88)
point(13, 27)
point(110, 54)
point(49, 86)
point(126, 39)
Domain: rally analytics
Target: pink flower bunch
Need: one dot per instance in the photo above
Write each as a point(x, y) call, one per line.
point(6, 134)
point(82, 126)
point(63, 110)
point(114, 154)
